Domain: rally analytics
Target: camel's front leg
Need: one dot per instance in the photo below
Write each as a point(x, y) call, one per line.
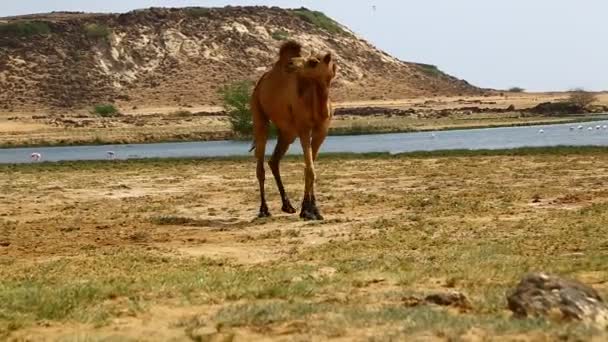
point(309, 207)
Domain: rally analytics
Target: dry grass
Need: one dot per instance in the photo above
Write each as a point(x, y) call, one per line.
point(116, 250)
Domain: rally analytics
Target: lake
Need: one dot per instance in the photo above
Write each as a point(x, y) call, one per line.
point(583, 134)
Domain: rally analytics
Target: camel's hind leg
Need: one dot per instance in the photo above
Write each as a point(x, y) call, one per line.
point(283, 143)
point(309, 207)
point(260, 131)
point(318, 137)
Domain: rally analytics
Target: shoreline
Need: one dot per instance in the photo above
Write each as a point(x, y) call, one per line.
point(336, 131)
point(447, 153)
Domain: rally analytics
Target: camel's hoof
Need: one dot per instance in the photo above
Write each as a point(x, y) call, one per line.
point(288, 208)
point(316, 212)
point(264, 213)
point(308, 216)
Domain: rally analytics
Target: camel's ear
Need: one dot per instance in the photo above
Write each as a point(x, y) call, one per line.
point(327, 59)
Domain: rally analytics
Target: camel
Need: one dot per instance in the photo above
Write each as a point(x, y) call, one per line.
point(294, 95)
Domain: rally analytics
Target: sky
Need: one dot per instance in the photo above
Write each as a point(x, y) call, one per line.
point(539, 45)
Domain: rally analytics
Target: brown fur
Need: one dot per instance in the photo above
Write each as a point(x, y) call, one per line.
point(294, 95)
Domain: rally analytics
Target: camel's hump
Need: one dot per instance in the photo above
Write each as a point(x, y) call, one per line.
point(289, 50)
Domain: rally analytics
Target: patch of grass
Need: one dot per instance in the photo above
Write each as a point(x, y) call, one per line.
point(198, 12)
point(48, 291)
point(262, 314)
point(24, 28)
point(318, 19)
point(106, 110)
point(97, 31)
point(280, 35)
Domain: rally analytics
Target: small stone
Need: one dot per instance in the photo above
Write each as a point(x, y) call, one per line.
point(453, 299)
point(4, 243)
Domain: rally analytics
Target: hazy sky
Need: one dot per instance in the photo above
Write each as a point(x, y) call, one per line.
point(535, 44)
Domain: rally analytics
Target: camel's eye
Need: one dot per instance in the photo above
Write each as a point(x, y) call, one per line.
point(312, 63)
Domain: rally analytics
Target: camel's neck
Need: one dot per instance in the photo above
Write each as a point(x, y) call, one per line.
point(321, 101)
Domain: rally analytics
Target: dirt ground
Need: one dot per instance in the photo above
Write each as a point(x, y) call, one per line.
point(171, 250)
point(198, 122)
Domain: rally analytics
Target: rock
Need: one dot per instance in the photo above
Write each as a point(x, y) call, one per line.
point(453, 299)
point(4, 243)
point(544, 295)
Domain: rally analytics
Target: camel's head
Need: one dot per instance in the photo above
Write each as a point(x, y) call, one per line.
point(321, 68)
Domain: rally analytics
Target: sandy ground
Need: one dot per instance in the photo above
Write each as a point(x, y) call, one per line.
point(154, 124)
point(171, 250)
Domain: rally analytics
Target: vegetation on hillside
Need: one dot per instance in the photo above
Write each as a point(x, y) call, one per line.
point(280, 35)
point(24, 28)
point(430, 70)
point(106, 110)
point(198, 12)
point(581, 98)
point(318, 19)
point(97, 31)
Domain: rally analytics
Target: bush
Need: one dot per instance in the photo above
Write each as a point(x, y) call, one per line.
point(318, 19)
point(105, 110)
point(581, 98)
point(516, 90)
point(197, 12)
point(236, 98)
point(24, 28)
point(97, 31)
point(280, 35)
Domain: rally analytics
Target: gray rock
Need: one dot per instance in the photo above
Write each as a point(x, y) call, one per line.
point(544, 295)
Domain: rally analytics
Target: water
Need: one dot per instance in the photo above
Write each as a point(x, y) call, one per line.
point(472, 139)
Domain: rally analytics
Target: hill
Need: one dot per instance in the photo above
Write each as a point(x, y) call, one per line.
point(180, 57)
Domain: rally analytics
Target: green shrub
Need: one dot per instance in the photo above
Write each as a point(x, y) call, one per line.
point(105, 110)
point(318, 19)
point(430, 70)
point(516, 90)
point(236, 98)
point(280, 35)
point(97, 31)
point(197, 12)
point(24, 28)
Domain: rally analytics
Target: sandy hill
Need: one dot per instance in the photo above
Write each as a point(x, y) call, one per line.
point(166, 57)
